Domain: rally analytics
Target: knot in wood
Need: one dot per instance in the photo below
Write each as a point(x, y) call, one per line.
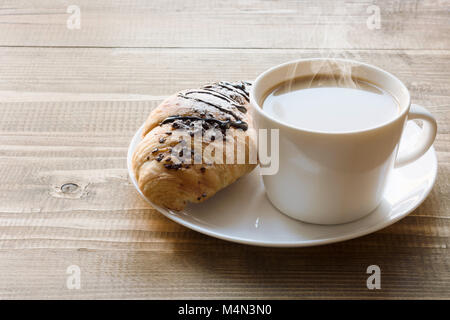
point(69, 187)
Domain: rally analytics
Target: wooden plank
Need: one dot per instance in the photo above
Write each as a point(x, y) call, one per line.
point(29, 74)
point(127, 250)
point(203, 268)
point(408, 24)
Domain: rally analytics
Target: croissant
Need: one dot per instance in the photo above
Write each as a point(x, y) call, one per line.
point(191, 143)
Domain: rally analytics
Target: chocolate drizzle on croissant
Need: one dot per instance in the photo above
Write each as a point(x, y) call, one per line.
point(232, 96)
point(229, 101)
point(234, 87)
point(219, 95)
point(222, 124)
point(230, 112)
point(171, 168)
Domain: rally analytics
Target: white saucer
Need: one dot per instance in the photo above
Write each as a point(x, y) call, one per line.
point(242, 213)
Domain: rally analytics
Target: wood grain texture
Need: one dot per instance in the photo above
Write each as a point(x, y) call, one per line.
point(143, 74)
point(70, 101)
point(227, 24)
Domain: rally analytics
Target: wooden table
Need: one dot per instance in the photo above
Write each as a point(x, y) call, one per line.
point(71, 99)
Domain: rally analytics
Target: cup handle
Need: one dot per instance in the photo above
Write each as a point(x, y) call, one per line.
point(429, 130)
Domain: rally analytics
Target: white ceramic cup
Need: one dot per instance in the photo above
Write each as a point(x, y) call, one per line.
point(328, 177)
